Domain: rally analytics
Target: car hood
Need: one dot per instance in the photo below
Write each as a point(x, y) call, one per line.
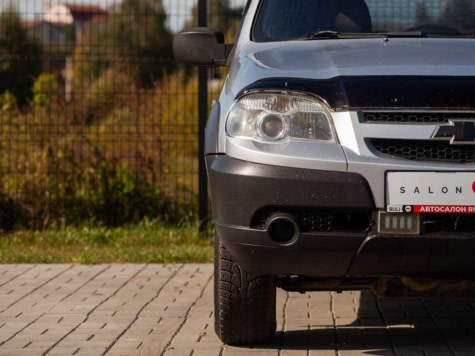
point(327, 59)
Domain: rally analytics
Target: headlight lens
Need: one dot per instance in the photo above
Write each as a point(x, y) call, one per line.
point(277, 117)
point(271, 127)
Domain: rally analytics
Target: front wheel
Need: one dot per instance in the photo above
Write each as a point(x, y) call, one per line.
point(244, 304)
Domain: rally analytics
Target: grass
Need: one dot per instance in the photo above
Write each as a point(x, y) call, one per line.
point(147, 242)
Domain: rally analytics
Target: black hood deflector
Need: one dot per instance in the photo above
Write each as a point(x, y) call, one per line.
point(378, 92)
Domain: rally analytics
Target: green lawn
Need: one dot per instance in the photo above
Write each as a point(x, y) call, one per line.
point(148, 242)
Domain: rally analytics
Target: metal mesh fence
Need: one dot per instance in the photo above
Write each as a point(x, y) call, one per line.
point(97, 122)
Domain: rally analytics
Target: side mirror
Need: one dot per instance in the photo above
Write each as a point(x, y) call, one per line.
point(201, 46)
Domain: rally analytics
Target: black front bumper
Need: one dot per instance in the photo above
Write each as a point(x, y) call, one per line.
point(241, 190)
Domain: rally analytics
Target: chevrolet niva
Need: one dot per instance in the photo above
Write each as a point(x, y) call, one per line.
point(340, 154)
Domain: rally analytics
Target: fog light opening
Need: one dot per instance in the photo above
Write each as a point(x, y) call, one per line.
point(282, 229)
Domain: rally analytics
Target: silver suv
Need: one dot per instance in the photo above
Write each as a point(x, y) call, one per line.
point(340, 154)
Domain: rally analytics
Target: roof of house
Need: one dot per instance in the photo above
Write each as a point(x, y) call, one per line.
point(29, 24)
point(85, 12)
point(82, 13)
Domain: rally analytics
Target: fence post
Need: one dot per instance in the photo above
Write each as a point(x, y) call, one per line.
point(203, 116)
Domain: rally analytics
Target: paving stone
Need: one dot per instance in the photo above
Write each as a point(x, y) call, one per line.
point(167, 310)
point(239, 351)
point(28, 282)
point(10, 272)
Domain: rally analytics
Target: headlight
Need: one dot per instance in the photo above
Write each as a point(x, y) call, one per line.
point(277, 117)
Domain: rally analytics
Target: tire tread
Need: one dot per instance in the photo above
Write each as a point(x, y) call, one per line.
point(244, 304)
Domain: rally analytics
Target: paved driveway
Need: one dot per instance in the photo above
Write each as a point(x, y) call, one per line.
point(168, 310)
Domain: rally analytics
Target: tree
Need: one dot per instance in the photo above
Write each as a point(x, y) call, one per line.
point(459, 15)
point(220, 16)
point(133, 40)
point(8, 102)
point(20, 57)
point(422, 17)
point(45, 91)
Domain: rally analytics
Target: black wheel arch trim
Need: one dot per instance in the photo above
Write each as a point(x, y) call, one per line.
point(211, 129)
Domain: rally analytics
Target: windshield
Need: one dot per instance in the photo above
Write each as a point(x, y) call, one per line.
point(280, 20)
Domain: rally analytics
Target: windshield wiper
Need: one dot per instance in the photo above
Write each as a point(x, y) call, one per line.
point(327, 34)
point(402, 34)
point(425, 34)
point(331, 35)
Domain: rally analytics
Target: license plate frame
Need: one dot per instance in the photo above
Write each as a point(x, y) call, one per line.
point(430, 192)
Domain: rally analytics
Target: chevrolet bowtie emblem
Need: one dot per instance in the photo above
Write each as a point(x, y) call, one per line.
point(458, 132)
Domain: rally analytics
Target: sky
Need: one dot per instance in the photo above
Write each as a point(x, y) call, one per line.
point(178, 10)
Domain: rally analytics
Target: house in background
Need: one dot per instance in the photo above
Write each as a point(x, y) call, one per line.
point(78, 16)
point(49, 34)
point(60, 26)
point(64, 23)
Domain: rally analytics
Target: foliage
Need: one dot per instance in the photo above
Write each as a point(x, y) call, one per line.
point(220, 16)
point(124, 150)
point(45, 91)
point(104, 94)
point(8, 102)
point(150, 241)
point(135, 161)
point(422, 16)
point(20, 60)
point(460, 15)
point(133, 40)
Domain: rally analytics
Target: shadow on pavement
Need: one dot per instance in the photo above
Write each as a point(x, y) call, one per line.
point(392, 326)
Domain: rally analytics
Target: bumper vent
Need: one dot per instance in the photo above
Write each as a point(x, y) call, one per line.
point(415, 150)
point(416, 117)
point(316, 220)
point(434, 223)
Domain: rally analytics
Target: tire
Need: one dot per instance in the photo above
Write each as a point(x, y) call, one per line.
point(244, 304)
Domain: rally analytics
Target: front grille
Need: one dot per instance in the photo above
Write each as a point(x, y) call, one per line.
point(416, 117)
point(416, 150)
point(433, 223)
point(317, 220)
